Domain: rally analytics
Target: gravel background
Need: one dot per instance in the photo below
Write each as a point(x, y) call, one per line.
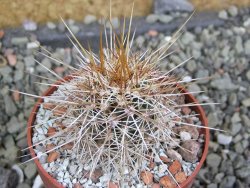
point(220, 52)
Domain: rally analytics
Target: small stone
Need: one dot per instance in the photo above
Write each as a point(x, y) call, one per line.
point(227, 181)
point(191, 66)
point(38, 183)
point(185, 136)
point(72, 169)
point(59, 70)
point(165, 159)
point(140, 40)
point(180, 177)
point(23, 185)
point(112, 185)
point(175, 167)
point(212, 185)
point(213, 160)
point(29, 25)
point(235, 128)
point(186, 110)
point(190, 150)
point(248, 75)
point(68, 146)
point(19, 40)
point(193, 131)
point(236, 117)
point(16, 95)
point(247, 47)
point(32, 45)
point(13, 125)
point(213, 119)
point(11, 59)
point(74, 28)
point(1, 33)
point(77, 185)
point(49, 106)
point(246, 102)
point(224, 139)
point(166, 181)
point(30, 170)
point(162, 170)
point(152, 18)
point(8, 178)
point(187, 38)
point(202, 73)
point(233, 11)
point(165, 18)
point(96, 175)
point(88, 19)
point(223, 15)
point(166, 6)
point(50, 147)
point(53, 156)
point(51, 131)
point(51, 25)
point(152, 33)
point(115, 23)
point(243, 172)
point(8, 141)
point(224, 83)
point(156, 185)
point(172, 154)
point(147, 177)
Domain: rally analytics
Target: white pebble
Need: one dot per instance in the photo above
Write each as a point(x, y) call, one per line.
point(185, 135)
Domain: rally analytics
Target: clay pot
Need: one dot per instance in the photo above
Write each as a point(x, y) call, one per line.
point(50, 182)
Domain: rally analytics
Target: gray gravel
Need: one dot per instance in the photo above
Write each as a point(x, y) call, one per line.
point(220, 52)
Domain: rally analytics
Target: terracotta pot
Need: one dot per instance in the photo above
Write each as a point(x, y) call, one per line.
point(50, 182)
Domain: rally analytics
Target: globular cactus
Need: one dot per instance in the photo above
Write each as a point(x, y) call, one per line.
point(117, 108)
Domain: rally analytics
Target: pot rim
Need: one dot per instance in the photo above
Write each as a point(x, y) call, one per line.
point(188, 97)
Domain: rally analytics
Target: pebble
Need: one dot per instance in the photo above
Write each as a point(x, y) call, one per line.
point(224, 83)
point(213, 119)
point(189, 150)
point(147, 177)
point(185, 136)
point(247, 47)
point(180, 177)
point(38, 183)
point(30, 170)
point(213, 160)
point(11, 59)
point(243, 172)
point(223, 15)
point(152, 18)
point(88, 19)
point(246, 102)
point(19, 40)
point(30, 25)
point(165, 18)
point(53, 156)
point(13, 125)
point(166, 181)
point(235, 128)
point(233, 11)
point(227, 181)
point(51, 25)
point(224, 139)
point(166, 6)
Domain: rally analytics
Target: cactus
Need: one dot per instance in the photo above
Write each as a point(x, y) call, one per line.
point(117, 108)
